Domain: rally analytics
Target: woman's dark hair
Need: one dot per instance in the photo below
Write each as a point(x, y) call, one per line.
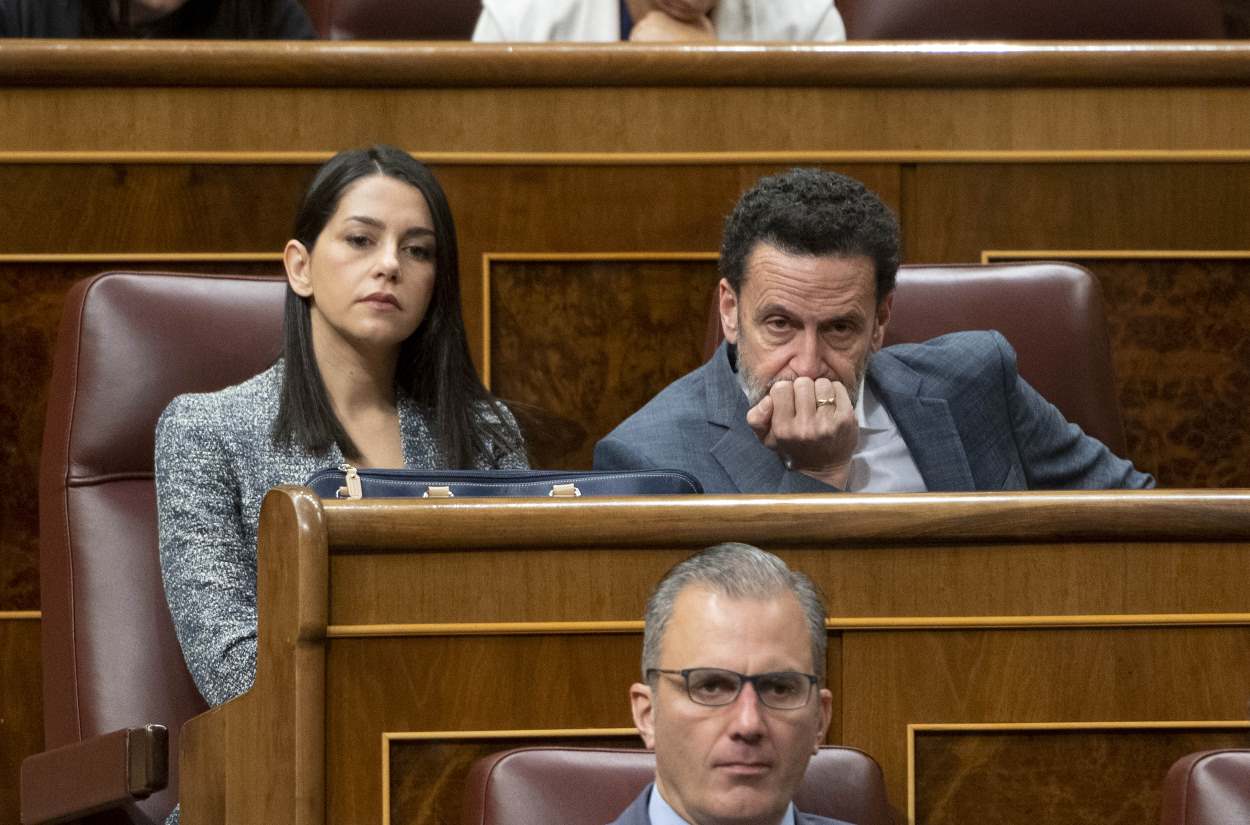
point(434, 366)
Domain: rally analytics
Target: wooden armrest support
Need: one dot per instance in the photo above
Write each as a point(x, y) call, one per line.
point(94, 775)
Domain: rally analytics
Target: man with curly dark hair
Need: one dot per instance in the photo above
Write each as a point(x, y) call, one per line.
point(801, 397)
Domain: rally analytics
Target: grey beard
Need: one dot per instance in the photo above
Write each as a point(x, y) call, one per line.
point(754, 391)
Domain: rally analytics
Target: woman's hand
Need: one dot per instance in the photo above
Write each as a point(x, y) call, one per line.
point(659, 27)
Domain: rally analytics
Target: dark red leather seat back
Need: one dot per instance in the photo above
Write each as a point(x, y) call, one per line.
point(1050, 312)
point(1208, 788)
point(128, 343)
point(1031, 20)
point(539, 786)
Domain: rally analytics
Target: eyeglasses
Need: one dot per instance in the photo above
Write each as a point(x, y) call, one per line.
point(711, 686)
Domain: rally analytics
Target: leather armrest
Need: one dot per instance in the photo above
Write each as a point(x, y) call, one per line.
point(94, 775)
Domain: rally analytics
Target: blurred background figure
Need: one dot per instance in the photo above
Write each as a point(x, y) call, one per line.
point(220, 19)
point(657, 20)
point(1237, 18)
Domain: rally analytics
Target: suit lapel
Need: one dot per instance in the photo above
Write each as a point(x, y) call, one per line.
point(636, 813)
point(750, 465)
point(925, 423)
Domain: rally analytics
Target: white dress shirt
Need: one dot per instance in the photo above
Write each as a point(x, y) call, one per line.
point(661, 813)
point(881, 463)
point(511, 21)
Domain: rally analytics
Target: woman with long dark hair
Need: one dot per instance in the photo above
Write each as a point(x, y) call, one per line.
point(192, 19)
point(375, 372)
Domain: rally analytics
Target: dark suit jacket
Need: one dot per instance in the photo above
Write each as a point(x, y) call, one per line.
point(283, 20)
point(636, 813)
point(968, 418)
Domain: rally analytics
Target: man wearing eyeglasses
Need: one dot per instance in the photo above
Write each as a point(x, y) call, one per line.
point(733, 658)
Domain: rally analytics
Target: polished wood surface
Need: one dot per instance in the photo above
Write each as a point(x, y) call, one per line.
point(1011, 609)
point(290, 97)
point(261, 757)
point(915, 518)
point(1016, 770)
point(21, 704)
point(373, 64)
point(1037, 675)
point(1109, 206)
point(591, 370)
point(501, 124)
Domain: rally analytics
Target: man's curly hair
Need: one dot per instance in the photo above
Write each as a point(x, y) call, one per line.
point(812, 212)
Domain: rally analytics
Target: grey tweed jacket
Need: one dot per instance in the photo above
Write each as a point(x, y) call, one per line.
point(215, 461)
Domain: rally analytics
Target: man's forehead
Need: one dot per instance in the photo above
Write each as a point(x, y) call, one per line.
point(822, 287)
point(710, 628)
point(703, 608)
point(771, 269)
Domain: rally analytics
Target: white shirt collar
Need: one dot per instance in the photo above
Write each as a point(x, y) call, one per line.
point(661, 813)
point(861, 412)
point(870, 413)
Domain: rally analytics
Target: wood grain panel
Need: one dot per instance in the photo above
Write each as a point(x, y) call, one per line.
point(1035, 676)
point(486, 684)
point(30, 304)
point(21, 706)
point(1180, 350)
point(31, 295)
point(120, 208)
point(592, 350)
point(363, 64)
point(1074, 206)
point(625, 119)
point(443, 765)
point(996, 580)
point(1093, 777)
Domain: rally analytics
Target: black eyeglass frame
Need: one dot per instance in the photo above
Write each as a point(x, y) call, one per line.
point(743, 679)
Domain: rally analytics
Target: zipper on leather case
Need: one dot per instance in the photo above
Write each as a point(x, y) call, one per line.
point(352, 482)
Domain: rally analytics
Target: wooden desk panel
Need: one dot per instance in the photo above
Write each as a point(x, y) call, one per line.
point(1112, 775)
point(423, 622)
point(866, 581)
point(1025, 675)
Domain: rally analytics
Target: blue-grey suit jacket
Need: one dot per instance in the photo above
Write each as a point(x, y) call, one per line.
point(636, 813)
point(968, 418)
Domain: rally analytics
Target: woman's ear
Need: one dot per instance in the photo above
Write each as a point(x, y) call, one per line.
point(296, 258)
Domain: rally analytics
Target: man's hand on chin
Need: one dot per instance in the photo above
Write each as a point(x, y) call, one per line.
point(814, 439)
